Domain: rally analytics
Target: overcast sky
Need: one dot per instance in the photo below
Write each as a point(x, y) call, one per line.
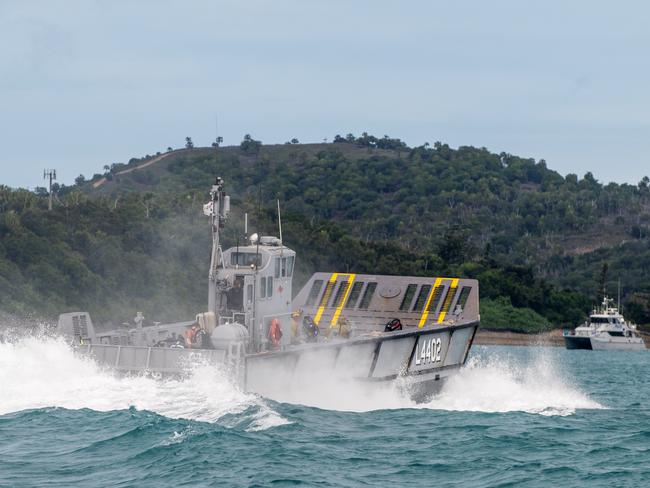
point(88, 83)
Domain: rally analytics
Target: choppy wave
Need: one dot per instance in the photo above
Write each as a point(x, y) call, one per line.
point(67, 422)
point(45, 372)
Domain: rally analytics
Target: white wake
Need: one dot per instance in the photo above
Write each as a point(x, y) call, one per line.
point(45, 372)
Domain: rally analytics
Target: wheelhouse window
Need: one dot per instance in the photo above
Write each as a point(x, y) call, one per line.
point(269, 287)
point(244, 259)
point(263, 287)
point(600, 320)
point(284, 267)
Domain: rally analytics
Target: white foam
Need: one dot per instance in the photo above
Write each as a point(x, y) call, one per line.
point(497, 383)
point(490, 382)
point(44, 372)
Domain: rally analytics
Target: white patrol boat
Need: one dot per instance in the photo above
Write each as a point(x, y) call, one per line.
point(364, 327)
point(606, 329)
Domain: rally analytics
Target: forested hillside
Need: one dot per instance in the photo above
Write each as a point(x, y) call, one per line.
point(133, 237)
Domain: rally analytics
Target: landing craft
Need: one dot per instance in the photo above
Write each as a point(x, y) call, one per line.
point(365, 327)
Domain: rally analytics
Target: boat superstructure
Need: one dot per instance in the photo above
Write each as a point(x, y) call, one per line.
point(364, 327)
point(606, 329)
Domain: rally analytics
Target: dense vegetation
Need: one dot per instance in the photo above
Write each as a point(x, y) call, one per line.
point(536, 240)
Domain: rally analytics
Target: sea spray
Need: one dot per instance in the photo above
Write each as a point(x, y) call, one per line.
point(494, 382)
point(501, 383)
point(38, 372)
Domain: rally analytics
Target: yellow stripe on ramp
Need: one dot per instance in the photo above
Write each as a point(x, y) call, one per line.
point(326, 297)
point(337, 312)
point(425, 314)
point(450, 297)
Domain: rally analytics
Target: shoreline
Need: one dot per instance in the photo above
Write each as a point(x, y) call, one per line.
point(553, 338)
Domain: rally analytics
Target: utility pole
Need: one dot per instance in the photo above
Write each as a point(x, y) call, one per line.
point(51, 175)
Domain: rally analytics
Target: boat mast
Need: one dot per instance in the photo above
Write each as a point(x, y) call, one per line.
point(217, 209)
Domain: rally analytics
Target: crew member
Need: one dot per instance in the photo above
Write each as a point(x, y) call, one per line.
point(275, 334)
point(310, 329)
point(344, 328)
point(295, 326)
point(190, 335)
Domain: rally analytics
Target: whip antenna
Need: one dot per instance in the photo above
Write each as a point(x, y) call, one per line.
point(279, 222)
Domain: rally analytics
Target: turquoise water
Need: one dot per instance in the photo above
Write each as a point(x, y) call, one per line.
point(513, 417)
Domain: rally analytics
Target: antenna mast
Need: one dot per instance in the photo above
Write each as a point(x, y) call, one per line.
point(280, 224)
point(51, 175)
point(217, 209)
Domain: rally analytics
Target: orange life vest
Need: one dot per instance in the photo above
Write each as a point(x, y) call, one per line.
point(189, 337)
point(275, 333)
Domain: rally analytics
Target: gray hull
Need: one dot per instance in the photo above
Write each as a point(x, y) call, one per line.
point(419, 360)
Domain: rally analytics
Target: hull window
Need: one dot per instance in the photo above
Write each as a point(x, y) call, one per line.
point(314, 292)
point(435, 300)
point(408, 297)
point(354, 294)
point(464, 295)
point(422, 298)
point(340, 293)
point(451, 292)
point(367, 296)
point(327, 294)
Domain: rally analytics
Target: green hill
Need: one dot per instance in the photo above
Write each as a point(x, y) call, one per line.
point(134, 237)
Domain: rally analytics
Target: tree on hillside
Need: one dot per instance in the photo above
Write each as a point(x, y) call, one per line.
point(455, 247)
point(188, 143)
point(217, 142)
point(250, 145)
point(80, 180)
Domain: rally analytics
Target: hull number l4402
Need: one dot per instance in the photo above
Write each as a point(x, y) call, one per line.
point(428, 351)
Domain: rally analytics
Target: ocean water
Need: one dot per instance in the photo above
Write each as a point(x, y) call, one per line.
point(513, 416)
